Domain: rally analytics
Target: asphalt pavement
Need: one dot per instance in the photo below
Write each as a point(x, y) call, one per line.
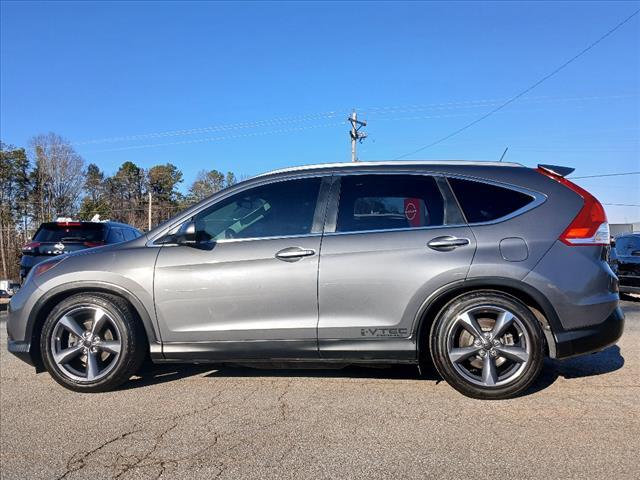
point(580, 420)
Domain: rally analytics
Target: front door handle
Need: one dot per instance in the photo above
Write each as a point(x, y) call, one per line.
point(447, 243)
point(292, 254)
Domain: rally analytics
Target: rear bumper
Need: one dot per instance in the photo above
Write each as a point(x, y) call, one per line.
point(27, 262)
point(629, 289)
point(629, 283)
point(571, 343)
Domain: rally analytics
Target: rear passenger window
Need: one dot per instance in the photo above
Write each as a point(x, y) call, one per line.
point(483, 202)
point(384, 202)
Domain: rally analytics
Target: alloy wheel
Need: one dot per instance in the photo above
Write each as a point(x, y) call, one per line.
point(86, 343)
point(488, 345)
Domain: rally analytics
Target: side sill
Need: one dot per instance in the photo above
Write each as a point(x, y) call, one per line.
point(277, 363)
point(401, 349)
point(233, 350)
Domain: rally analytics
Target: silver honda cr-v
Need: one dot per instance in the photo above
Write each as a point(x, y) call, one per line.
point(482, 268)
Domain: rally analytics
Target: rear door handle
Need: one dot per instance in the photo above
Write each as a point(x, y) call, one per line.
point(447, 243)
point(292, 254)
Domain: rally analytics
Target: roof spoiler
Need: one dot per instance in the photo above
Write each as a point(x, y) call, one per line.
point(557, 169)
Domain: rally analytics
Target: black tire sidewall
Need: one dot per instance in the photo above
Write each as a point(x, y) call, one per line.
point(127, 361)
point(439, 351)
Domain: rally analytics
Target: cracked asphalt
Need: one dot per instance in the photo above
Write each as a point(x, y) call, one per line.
point(580, 420)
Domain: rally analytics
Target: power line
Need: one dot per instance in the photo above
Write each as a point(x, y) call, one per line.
point(486, 103)
point(378, 111)
point(277, 121)
point(622, 204)
point(525, 91)
point(225, 137)
point(605, 175)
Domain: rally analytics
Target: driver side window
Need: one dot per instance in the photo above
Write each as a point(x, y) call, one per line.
point(274, 210)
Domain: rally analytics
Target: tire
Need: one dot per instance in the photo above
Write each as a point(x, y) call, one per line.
point(487, 345)
point(92, 342)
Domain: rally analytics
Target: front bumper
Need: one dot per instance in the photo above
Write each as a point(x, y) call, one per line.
point(571, 343)
point(21, 350)
point(19, 341)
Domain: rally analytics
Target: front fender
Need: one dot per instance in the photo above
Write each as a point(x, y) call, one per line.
point(124, 269)
point(53, 295)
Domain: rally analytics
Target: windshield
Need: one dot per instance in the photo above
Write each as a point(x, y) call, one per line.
point(65, 232)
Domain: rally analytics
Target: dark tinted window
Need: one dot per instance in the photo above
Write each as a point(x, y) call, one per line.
point(382, 202)
point(626, 245)
point(482, 202)
point(115, 235)
point(130, 234)
point(70, 232)
point(273, 210)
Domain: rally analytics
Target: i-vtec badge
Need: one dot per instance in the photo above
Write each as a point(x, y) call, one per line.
point(384, 332)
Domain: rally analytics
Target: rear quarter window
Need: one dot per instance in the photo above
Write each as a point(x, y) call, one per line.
point(483, 202)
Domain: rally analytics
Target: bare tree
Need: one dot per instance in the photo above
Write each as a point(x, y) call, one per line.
point(58, 176)
point(14, 190)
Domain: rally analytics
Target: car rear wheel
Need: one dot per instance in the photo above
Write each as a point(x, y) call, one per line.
point(487, 345)
point(92, 342)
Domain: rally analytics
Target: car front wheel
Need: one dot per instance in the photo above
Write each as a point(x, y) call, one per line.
point(92, 342)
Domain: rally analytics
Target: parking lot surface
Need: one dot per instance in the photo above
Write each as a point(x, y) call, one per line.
point(580, 420)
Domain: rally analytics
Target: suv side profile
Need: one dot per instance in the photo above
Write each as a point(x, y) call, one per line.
point(482, 268)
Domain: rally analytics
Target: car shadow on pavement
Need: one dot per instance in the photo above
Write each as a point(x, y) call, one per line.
point(161, 373)
point(600, 363)
point(606, 361)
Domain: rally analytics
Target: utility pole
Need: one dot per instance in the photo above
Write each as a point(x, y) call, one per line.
point(149, 210)
point(356, 134)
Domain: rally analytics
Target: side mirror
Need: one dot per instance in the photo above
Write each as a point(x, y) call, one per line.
point(186, 234)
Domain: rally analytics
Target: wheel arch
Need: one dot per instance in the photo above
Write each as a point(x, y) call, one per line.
point(531, 297)
point(45, 304)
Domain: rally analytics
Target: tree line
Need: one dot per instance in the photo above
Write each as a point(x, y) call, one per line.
point(49, 179)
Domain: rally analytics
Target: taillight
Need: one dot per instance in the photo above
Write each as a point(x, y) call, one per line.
point(30, 247)
point(93, 244)
point(590, 227)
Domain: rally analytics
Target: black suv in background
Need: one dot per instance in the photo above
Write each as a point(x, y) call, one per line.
point(625, 262)
point(60, 237)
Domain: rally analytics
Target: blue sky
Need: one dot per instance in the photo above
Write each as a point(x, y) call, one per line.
point(249, 87)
